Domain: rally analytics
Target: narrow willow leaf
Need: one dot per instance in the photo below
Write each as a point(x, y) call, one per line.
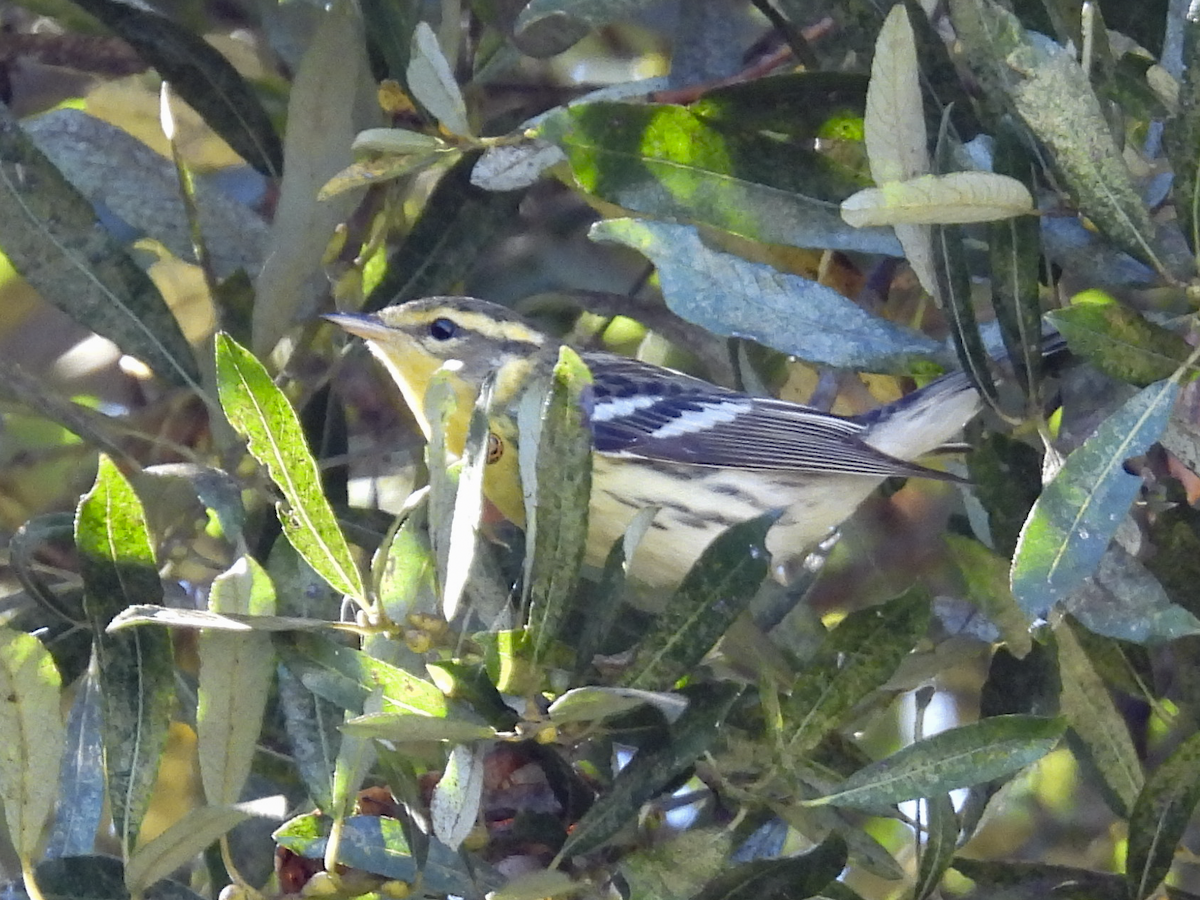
point(179, 845)
point(937, 850)
point(894, 123)
point(953, 278)
point(1014, 255)
point(953, 198)
point(593, 703)
point(1160, 817)
point(556, 497)
point(608, 596)
point(1123, 600)
point(50, 234)
point(236, 672)
point(200, 75)
point(653, 769)
point(669, 163)
point(454, 808)
point(1118, 340)
point(312, 725)
point(468, 506)
point(735, 298)
point(432, 82)
point(1040, 879)
point(395, 140)
point(791, 878)
point(1092, 715)
point(513, 167)
point(985, 574)
point(408, 727)
point(356, 756)
point(34, 737)
point(137, 671)
point(1051, 94)
point(367, 172)
point(346, 676)
point(855, 659)
point(81, 777)
point(377, 844)
point(717, 589)
point(330, 101)
point(260, 412)
point(963, 756)
point(196, 619)
point(1073, 521)
point(1181, 136)
point(536, 885)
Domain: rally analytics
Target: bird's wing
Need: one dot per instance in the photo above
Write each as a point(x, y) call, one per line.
point(653, 413)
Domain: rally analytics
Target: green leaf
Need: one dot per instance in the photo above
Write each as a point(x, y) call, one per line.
point(855, 659)
point(403, 728)
point(1160, 817)
point(1124, 600)
point(1073, 521)
point(985, 574)
point(652, 769)
point(937, 851)
point(669, 163)
point(963, 756)
point(34, 737)
point(454, 807)
point(80, 785)
point(200, 75)
point(347, 677)
point(1093, 717)
point(179, 845)
point(432, 83)
point(734, 298)
point(594, 703)
point(234, 683)
point(260, 412)
point(713, 594)
point(1014, 258)
point(1044, 84)
point(331, 100)
point(556, 476)
point(137, 671)
point(1041, 880)
point(1118, 340)
point(377, 844)
point(1181, 136)
point(312, 724)
point(676, 869)
point(791, 878)
point(50, 234)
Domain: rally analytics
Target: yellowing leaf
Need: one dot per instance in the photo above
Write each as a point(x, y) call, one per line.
point(951, 199)
point(894, 124)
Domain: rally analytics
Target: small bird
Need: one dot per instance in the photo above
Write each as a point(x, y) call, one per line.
point(707, 457)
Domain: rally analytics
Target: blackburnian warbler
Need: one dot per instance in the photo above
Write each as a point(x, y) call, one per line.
point(706, 456)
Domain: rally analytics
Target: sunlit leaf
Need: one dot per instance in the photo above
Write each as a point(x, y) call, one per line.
point(262, 415)
point(179, 845)
point(713, 594)
point(957, 197)
point(1077, 514)
point(34, 737)
point(960, 757)
point(454, 808)
point(432, 82)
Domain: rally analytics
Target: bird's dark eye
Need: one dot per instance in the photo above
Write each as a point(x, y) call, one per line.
point(443, 329)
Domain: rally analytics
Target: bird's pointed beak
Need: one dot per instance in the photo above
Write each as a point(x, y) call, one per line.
point(363, 325)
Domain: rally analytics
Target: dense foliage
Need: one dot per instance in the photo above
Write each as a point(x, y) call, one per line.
point(292, 651)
